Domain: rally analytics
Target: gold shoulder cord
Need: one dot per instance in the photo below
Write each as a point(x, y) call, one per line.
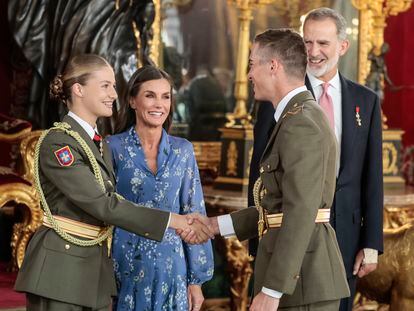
point(107, 233)
point(258, 194)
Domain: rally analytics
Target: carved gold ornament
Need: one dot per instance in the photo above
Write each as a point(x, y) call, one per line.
point(372, 22)
point(389, 158)
point(232, 155)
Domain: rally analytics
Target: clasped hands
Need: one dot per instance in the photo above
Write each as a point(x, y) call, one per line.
point(194, 228)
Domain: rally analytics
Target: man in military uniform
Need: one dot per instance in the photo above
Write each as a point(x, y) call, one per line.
point(298, 264)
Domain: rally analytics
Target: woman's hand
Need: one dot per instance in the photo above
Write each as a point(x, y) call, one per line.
point(195, 297)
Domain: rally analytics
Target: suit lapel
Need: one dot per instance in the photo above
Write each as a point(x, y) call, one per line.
point(309, 86)
point(299, 98)
point(77, 128)
point(348, 124)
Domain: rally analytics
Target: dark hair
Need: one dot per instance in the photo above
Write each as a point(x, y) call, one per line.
point(288, 47)
point(324, 13)
point(78, 70)
point(126, 116)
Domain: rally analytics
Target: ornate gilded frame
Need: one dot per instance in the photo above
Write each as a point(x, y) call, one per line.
point(372, 22)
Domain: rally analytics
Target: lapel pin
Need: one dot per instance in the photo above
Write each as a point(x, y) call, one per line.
point(357, 116)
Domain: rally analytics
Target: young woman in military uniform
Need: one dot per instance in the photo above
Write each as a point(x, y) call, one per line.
point(66, 266)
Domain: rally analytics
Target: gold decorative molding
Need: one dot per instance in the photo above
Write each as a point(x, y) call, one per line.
point(235, 133)
point(232, 159)
point(389, 158)
point(293, 10)
point(232, 180)
point(372, 22)
point(391, 281)
point(27, 151)
point(239, 262)
point(393, 134)
point(208, 154)
point(155, 45)
point(240, 115)
point(26, 195)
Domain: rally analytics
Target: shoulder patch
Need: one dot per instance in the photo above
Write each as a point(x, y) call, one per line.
point(65, 156)
point(294, 110)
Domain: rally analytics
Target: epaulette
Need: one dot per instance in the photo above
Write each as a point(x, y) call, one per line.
point(294, 110)
point(62, 125)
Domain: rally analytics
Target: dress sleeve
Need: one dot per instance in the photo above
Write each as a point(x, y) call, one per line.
point(199, 258)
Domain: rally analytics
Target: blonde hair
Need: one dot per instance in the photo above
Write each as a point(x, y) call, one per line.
point(78, 70)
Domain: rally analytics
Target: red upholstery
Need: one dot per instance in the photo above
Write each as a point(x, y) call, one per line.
point(12, 126)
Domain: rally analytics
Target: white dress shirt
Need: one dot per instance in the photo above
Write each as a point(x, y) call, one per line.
point(335, 92)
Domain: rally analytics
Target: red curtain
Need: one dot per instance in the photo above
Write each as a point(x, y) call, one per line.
point(398, 105)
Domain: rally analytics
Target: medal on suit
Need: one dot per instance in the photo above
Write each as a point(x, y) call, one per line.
point(357, 116)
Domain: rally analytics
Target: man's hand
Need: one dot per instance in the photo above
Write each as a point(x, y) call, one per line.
point(361, 269)
point(195, 297)
point(210, 222)
point(192, 232)
point(192, 219)
point(263, 302)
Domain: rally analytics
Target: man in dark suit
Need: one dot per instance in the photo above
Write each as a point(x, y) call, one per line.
point(357, 207)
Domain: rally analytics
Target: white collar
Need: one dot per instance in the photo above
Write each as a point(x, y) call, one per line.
point(335, 82)
point(85, 125)
point(285, 100)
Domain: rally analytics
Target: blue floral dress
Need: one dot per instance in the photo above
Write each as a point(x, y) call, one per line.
point(154, 275)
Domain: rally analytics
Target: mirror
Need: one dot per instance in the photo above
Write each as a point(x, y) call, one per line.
point(200, 46)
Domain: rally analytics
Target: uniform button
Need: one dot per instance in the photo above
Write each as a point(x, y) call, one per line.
point(261, 169)
point(146, 234)
point(67, 246)
point(268, 166)
point(296, 277)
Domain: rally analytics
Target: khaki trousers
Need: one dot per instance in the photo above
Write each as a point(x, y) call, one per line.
point(319, 306)
point(38, 303)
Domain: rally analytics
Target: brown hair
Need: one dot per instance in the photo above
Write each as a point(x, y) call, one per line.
point(288, 47)
point(78, 70)
point(126, 117)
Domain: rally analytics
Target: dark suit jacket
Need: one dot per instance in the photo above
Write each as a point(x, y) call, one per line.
point(358, 202)
point(301, 258)
point(59, 270)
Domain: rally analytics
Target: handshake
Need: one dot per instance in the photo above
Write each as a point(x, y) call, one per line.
point(194, 228)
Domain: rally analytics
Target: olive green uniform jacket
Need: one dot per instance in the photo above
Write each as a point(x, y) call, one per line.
point(56, 269)
point(301, 259)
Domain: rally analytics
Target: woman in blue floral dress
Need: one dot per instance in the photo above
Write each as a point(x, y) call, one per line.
point(158, 171)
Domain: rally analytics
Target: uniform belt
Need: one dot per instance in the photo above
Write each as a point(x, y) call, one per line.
point(75, 227)
point(275, 220)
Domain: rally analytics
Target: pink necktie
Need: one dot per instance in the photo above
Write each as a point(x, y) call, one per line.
point(325, 101)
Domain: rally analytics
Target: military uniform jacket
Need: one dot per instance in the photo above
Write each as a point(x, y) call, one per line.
point(56, 269)
point(301, 259)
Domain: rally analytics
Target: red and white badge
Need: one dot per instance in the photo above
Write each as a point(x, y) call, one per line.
point(64, 156)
